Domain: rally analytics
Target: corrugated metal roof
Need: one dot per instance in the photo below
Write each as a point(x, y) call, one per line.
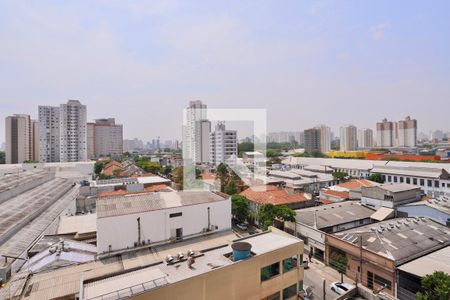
point(425, 265)
point(137, 203)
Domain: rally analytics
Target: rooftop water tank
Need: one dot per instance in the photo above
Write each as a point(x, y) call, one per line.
point(241, 250)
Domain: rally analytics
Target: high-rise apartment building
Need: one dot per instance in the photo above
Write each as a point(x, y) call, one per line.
point(222, 144)
point(407, 132)
point(365, 138)
point(22, 141)
point(325, 138)
point(104, 138)
point(385, 134)
point(63, 132)
point(196, 133)
point(312, 140)
point(348, 138)
point(285, 137)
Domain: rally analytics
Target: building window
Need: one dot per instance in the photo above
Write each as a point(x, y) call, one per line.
point(395, 178)
point(289, 264)
point(389, 178)
point(422, 182)
point(429, 183)
point(290, 292)
point(401, 179)
point(408, 181)
point(174, 215)
point(415, 181)
point(383, 282)
point(275, 296)
point(270, 271)
point(370, 280)
point(436, 183)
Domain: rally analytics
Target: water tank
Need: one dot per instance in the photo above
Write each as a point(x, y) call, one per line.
point(241, 250)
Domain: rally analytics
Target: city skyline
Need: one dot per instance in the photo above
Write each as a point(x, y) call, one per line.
point(306, 63)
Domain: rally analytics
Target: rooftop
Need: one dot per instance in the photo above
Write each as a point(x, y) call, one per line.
point(398, 187)
point(401, 239)
point(143, 202)
point(436, 261)
point(270, 194)
point(144, 266)
point(12, 181)
point(333, 214)
point(356, 184)
point(78, 225)
point(441, 204)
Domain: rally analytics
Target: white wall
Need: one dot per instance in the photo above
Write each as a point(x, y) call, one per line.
point(122, 231)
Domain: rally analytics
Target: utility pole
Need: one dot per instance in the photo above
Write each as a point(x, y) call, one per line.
point(324, 284)
point(139, 230)
point(360, 258)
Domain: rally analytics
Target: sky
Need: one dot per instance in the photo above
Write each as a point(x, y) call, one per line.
point(305, 62)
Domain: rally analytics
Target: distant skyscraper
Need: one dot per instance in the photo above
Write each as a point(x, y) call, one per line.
point(348, 138)
point(20, 139)
point(223, 144)
point(325, 138)
point(365, 138)
point(63, 132)
point(196, 133)
point(105, 138)
point(407, 132)
point(312, 140)
point(285, 137)
point(385, 134)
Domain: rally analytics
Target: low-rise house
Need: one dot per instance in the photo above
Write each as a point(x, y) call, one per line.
point(313, 223)
point(276, 195)
point(372, 254)
point(390, 195)
point(148, 218)
point(303, 180)
point(411, 273)
point(437, 209)
point(350, 190)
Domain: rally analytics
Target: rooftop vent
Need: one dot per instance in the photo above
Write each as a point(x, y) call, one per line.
point(241, 250)
point(169, 258)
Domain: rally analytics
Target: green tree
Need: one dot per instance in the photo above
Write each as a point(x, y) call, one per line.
point(2, 157)
point(339, 175)
point(167, 170)
point(245, 147)
point(230, 188)
point(435, 286)
point(177, 177)
point(376, 177)
point(98, 167)
point(273, 152)
point(222, 173)
point(240, 208)
point(150, 167)
point(267, 213)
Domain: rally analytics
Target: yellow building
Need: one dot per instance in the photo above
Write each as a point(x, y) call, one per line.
point(347, 154)
point(271, 271)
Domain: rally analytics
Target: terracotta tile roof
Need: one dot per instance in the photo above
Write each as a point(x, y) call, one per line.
point(357, 183)
point(325, 201)
point(153, 188)
point(208, 176)
point(272, 195)
point(343, 195)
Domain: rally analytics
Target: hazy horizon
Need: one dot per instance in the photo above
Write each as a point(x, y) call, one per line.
point(307, 63)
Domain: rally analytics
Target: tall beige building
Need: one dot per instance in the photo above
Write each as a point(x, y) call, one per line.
point(22, 139)
point(348, 138)
point(385, 134)
point(407, 132)
point(104, 138)
point(365, 138)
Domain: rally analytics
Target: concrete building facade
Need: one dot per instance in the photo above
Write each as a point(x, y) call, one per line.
point(365, 138)
point(63, 132)
point(104, 138)
point(21, 139)
point(138, 219)
point(222, 144)
point(196, 133)
point(348, 138)
point(385, 134)
point(407, 132)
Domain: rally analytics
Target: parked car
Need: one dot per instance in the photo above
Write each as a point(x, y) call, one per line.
point(305, 264)
point(341, 287)
point(242, 226)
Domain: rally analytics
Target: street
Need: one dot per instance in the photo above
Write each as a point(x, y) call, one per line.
point(314, 276)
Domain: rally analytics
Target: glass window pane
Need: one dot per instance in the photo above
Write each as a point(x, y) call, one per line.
point(270, 271)
point(290, 292)
point(289, 264)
